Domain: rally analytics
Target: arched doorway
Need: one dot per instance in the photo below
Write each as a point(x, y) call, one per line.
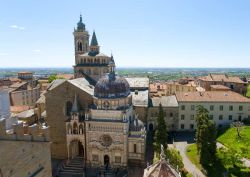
point(76, 148)
point(80, 149)
point(106, 160)
point(151, 127)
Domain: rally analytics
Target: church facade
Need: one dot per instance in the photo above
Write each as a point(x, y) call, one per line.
point(92, 116)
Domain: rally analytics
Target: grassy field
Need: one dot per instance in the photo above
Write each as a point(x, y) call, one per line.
point(232, 141)
point(192, 155)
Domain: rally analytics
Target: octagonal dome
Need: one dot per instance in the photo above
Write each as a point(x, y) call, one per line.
point(112, 86)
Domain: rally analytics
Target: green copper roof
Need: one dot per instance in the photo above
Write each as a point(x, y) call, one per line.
point(94, 40)
point(80, 25)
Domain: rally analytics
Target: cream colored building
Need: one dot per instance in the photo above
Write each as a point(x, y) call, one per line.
point(234, 83)
point(25, 151)
point(170, 88)
point(23, 94)
point(224, 107)
point(170, 110)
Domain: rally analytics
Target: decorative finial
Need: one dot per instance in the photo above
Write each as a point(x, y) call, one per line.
point(162, 153)
point(80, 17)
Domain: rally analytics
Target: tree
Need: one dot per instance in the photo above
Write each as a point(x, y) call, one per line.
point(205, 137)
point(238, 125)
point(161, 130)
point(175, 158)
point(201, 120)
point(248, 91)
point(54, 77)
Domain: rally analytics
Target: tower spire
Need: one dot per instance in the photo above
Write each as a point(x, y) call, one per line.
point(94, 40)
point(112, 68)
point(80, 24)
point(94, 48)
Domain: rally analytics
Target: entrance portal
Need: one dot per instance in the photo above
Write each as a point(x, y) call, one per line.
point(80, 149)
point(106, 160)
point(151, 127)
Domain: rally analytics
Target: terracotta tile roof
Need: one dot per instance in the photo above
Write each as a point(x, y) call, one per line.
point(218, 87)
point(18, 84)
point(211, 96)
point(166, 101)
point(221, 78)
point(18, 109)
point(138, 82)
point(65, 76)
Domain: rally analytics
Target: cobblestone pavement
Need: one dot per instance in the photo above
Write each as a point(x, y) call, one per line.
point(245, 161)
point(189, 166)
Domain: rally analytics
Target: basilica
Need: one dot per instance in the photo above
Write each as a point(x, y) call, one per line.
point(93, 116)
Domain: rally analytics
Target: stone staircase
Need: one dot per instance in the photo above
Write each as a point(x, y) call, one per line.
point(72, 168)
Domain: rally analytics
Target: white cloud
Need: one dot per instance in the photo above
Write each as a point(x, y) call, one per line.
point(3, 54)
point(36, 50)
point(17, 27)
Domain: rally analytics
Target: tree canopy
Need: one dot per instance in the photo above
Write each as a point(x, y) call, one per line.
point(161, 130)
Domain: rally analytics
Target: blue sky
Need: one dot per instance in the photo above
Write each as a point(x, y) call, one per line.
point(140, 33)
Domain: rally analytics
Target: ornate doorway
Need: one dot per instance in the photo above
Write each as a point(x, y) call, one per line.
point(80, 149)
point(106, 160)
point(75, 149)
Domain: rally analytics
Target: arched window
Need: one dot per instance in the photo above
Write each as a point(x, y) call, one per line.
point(79, 46)
point(81, 61)
point(80, 129)
point(84, 60)
point(75, 128)
point(69, 129)
point(68, 108)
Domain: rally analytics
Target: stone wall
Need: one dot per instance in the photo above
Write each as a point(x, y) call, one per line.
point(56, 101)
point(22, 158)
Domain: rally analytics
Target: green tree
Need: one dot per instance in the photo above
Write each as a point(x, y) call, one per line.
point(175, 158)
point(205, 137)
point(161, 130)
point(248, 91)
point(201, 119)
point(52, 78)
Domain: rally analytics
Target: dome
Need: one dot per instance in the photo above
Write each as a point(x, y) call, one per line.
point(112, 86)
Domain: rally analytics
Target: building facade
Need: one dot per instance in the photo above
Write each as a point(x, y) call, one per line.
point(234, 83)
point(224, 107)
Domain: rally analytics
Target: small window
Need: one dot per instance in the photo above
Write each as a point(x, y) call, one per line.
point(192, 117)
point(192, 107)
point(171, 114)
point(230, 117)
point(191, 126)
point(117, 159)
point(231, 108)
point(211, 117)
point(248, 116)
point(135, 148)
point(240, 108)
point(183, 107)
point(95, 157)
point(68, 108)
point(221, 107)
point(182, 117)
point(211, 107)
point(220, 117)
point(182, 126)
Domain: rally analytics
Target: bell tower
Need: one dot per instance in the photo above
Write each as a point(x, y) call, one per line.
point(81, 38)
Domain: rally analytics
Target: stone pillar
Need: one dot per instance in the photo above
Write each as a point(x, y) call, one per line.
point(68, 146)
